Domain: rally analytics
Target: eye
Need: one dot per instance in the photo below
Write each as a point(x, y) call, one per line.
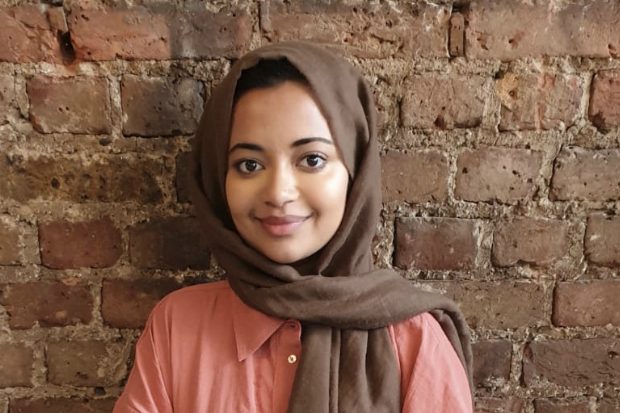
point(248, 166)
point(314, 161)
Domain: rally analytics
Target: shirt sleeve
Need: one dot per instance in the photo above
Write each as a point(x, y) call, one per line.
point(146, 390)
point(432, 376)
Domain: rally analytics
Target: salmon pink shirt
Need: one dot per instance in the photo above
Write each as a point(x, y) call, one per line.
point(204, 350)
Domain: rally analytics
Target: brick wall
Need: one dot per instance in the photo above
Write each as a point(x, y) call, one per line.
point(500, 134)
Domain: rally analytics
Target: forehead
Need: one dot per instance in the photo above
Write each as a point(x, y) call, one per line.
point(276, 115)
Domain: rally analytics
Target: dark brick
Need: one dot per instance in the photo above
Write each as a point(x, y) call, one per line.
point(49, 303)
point(496, 405)
point(609, 406)
point(434, 102)
point(586, 175)
point(565, 406)
point(169, 243)
point(491, 361)
point(539, 101)
point(421, 176)
point(76, 105)
point(127, 303)
point(160, 106)
point(573, 363)
point(16, 361)
point(435, 244)
point(602, 241)
point(604, 109)
point(587, 304)
point(457, 35)
point(496, 174)
point(534, 241)
point(95, 244)
point(62, 405)
point(158, 32)
point(108, 179)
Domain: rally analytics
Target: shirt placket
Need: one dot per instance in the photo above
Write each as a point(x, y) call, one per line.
point(287, 351)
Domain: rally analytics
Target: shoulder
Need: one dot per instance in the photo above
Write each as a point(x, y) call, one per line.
point(421, 327)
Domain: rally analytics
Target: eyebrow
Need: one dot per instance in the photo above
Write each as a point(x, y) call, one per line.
point(298, 142)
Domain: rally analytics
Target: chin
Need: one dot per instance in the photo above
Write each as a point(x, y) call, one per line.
point(285, 257)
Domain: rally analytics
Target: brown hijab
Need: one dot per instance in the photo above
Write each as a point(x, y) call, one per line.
point(344, 304)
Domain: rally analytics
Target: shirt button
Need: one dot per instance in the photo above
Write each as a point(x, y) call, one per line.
point(292, 359)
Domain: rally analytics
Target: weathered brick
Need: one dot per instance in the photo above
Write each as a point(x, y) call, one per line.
point(496, 30)
point(548, 406)
point(421, 176)
point(95, 244)
point(106, 179)
point(538, 101)
point(157, 33)
point(609, 406)
point(76, 105)
point(496, 174)
point(604, 109)
point(533, 241)
point(457, 35)
point(62, 405)
point(602, 241)
point(7, 96)
point(49, 303)
point(586, 175)
point(587, 304)
point(360, 28)
point(127, 303)
point(491, 361)
point(169, 243)
point(16, 362)
point(86, 363)
point(182, 171)
point(159, 106)
point(573, 363)
point(26, 36)
point(435, 244)
point(446, 102)
point(496, 405)
point(9, 245)
point(499, 305)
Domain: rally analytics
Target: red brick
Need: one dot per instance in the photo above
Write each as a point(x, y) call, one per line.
point(157, 33)
point(86, 363)
point(499, 305)
point(7, 97)
point(128, 303)
point(362, 29)
point(587, 304)
point(16, 361)
point(49, 303)
point(491, 361)
point(602, 242)
point(159, 106)
point(443, 102)
point(26, 36)
point(609, 406)
point(573, 363)
point(533, 241)
point(76, 105)
point(9, 245)
point(107, 179)
point(586, 175)
point(169, 243)
point(421, 176)
point(435, 244)
point(496, 174)
point(565, 406)
point(496, 405)
point(538, 101)
point(95, 244)
point(496, 30)
point(62, 405)
point(604, 109)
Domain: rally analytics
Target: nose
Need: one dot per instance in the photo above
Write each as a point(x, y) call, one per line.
point(281, 187)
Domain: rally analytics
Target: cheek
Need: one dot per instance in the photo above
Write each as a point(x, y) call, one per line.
point(333, 195)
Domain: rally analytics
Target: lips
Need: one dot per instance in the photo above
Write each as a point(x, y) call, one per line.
point(281, 226)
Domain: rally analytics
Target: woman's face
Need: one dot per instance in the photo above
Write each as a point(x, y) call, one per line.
point(286, 185)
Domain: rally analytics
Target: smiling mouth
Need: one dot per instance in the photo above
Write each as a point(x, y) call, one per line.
point(281, 226)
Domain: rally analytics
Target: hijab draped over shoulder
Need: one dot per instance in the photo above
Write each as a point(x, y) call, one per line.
point(348, 363)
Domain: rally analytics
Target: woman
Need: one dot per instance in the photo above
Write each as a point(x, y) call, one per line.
point(285, 178)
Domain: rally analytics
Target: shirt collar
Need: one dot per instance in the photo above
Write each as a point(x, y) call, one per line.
point(252, 328)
